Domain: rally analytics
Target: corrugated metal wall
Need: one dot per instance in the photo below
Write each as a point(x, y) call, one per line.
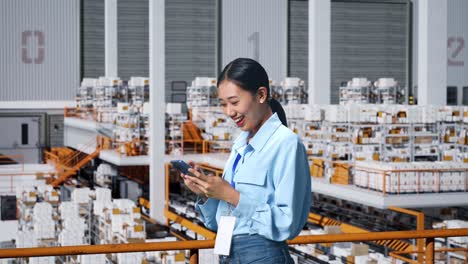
point(190, 41)
point(55, 130)
point(133, 38)
point(256, 29)
point(39, 50)
point(92, 38)
point(298, 45)
point(369, 40)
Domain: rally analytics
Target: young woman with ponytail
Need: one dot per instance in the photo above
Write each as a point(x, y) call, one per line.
point(266, 180)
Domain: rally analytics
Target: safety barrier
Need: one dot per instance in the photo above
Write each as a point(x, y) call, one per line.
point(194, 246)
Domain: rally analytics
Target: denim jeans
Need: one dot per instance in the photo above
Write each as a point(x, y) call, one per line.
point(256, 249)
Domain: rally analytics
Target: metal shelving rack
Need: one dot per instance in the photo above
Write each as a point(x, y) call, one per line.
point(127, 131)
point(357, 95)
point(396, 143)
point(366, 139)
point(138, 91)
point(277, 92)
point(449, 146)
point(390, 95)
point(313, 138)
point(338, 137)
point(144, 131)
point(463, 139)
point(175, 134)
point(425, 142)
point(85, 210)
point(202, 92)
point(338, 153)
point(84, 98)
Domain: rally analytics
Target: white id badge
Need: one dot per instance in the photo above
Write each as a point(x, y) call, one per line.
point(224, 236)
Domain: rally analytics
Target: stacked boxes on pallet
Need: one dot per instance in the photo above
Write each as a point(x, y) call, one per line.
point(413, 177)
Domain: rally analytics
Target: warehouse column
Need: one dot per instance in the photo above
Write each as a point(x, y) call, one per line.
point(157, 104)
point(432, 52)
point(110, 37)
point(319, 51)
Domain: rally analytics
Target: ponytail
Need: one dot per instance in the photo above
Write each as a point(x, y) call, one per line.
point(278, 109)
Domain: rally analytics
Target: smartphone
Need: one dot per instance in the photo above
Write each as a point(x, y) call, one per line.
point(182, 166)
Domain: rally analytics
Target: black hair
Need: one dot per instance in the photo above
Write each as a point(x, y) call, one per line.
point(250, 75)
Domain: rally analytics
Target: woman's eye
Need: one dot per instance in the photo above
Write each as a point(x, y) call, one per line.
point(235, 103)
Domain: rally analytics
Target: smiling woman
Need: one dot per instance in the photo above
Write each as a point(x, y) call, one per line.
point(266, 181)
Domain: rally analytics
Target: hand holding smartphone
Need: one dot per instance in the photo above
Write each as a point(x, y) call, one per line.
point(182, 166)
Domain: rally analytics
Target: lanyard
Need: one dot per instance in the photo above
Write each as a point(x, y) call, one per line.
point(233, 184)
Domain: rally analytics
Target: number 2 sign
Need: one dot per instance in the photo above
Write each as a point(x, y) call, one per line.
point(455, 46)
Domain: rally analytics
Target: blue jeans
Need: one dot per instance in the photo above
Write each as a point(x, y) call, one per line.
point(256, 249)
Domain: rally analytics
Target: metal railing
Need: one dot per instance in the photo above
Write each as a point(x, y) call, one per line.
point(14, 170)
point(194, 246)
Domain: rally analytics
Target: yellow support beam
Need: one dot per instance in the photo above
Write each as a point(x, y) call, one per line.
point(350, 229)
point(189, 224)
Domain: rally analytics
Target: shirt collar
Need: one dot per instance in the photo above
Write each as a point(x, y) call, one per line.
point(262, 136)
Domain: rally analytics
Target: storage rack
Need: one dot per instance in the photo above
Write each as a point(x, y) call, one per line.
point(313, 137)
point(362, 91)
point(127, 130)
point(367, 141)
point(425, 142)
point(144, 131)
point(389, 92)
point(396, 143)
point(84, 98)
point(175, 129)
point(202, 92)
point(138, 92)
point(357, 95)
point(294, 91)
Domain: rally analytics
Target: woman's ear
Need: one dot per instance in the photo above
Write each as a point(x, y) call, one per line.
point(262, 94)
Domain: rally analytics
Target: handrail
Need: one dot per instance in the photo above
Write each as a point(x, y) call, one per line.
point(49, 156)
point(203, 244)
point(70, 171)
point(419, 225)
point(68, 161)
point(20, 171)
point(437, 250)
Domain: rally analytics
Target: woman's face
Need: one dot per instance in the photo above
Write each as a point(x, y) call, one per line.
point(248, 111)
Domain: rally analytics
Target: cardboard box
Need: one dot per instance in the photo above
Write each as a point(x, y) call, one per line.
point(359, 249)
point(332, 230)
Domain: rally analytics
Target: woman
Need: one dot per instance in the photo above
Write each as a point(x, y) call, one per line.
point(266, 181)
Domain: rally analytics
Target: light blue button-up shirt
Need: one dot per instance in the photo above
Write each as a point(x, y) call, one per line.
point(274, 183)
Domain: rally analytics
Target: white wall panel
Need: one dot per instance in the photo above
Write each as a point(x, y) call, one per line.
point(457, 43)
point(256, 29)
point(39, 49)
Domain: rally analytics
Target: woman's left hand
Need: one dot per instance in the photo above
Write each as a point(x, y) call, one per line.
point(214, 187)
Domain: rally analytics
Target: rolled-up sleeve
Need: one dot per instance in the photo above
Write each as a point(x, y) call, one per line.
point(207, 212)
point(284, 216)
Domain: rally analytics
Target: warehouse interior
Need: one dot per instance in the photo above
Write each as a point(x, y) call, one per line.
point(99, 96)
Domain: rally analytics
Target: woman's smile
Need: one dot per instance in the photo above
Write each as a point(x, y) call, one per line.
point(239, 121)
